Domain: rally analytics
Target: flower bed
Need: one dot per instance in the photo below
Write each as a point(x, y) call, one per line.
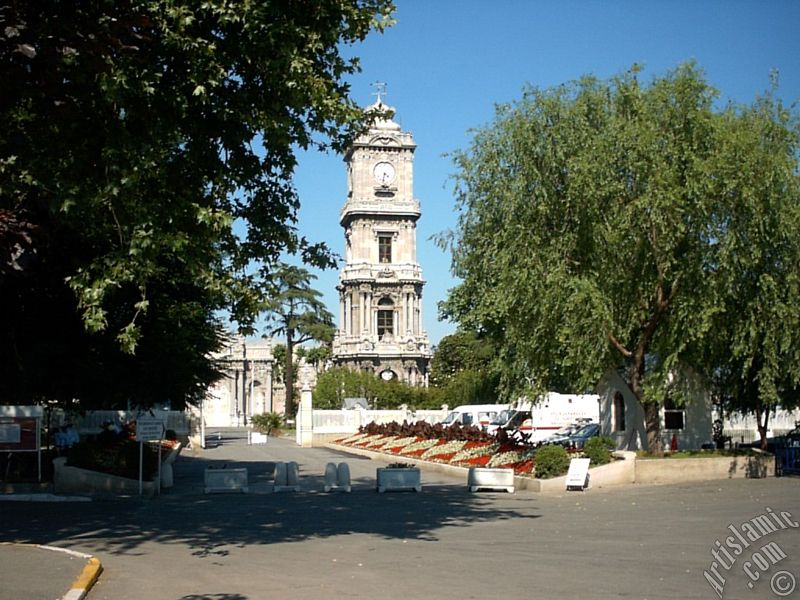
point(477, 451)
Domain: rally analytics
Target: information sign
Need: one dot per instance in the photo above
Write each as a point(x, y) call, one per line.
point(578, 474)
point(149, 429)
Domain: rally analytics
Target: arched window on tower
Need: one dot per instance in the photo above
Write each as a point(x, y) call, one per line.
point(385, 317)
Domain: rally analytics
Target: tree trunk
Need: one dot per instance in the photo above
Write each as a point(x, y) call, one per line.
point(762, 427)
point(652, 420)
point(288, 377)
point(652, 412)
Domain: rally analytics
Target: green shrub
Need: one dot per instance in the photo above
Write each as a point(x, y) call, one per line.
point(551, 461)
point(598, 449)
point(267, 422)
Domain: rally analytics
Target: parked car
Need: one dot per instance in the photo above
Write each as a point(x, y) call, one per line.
point(580, 437)
point(563, 434)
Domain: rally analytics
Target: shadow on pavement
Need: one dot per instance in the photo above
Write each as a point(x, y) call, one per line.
point(207, 524)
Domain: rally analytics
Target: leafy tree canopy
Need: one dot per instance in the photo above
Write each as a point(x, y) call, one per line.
point(135, 135)
point(596, 231)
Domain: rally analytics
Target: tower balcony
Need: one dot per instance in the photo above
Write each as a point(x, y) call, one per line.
point(377, 207)
point(370, 345)
point(383, 273)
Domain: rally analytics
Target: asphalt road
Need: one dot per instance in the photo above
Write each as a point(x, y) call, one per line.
point(633, 542)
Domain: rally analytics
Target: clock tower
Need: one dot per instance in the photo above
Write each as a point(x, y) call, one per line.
point(380, 286)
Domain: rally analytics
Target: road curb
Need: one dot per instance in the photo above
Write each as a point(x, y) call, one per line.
point(88, 577)
point(85, 581)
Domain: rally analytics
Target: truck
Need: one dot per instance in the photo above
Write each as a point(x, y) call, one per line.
point(555, 411)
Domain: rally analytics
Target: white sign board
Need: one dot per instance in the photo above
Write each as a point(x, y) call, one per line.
point(578, 474)
point(149, 429)
point(10, 433)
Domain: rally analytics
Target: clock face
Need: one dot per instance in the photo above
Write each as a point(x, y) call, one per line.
point(387, 375)
point(384, 173)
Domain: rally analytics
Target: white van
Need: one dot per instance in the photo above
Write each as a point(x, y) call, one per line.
point(543, 419)
point(479, 415)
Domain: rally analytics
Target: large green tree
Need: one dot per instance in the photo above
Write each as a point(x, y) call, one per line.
point(464, 370)
point(590, 230)
point(752, 352)
point(145, 141)
point(297, 312)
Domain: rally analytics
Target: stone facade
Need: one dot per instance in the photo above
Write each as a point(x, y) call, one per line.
point(380, 286)
point(246, 388)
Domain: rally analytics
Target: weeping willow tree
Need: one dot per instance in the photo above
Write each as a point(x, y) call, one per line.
point(595, 232)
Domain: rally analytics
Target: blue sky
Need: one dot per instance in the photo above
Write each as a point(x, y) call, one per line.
point(447, 63)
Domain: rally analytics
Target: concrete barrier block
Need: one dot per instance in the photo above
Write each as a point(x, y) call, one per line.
point(286, 477)
point(225, 480)
point(330, 477)
point(343, 477)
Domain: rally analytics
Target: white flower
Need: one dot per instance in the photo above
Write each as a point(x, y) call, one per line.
point(418, 446)
point(443, 449)
point(468, 453)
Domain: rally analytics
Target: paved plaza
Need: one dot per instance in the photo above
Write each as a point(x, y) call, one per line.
point(629, 542)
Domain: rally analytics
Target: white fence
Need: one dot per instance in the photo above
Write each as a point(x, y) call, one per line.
point(348, 421)
point(744, 428)
point(92, 422)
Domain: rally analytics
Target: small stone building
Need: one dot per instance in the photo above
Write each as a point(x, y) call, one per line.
point(622, 417)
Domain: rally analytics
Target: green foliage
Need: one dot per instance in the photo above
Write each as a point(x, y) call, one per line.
point(606, 225)
point(135, 135)
point(318, 355)
point(297, 312)
point(46, 354)
point(470, 387)
point(279, 356)
point(463, 369)
point(338, 383)
point(598, 449)
point(753, 356)
point(267, 422)
point(551, 461)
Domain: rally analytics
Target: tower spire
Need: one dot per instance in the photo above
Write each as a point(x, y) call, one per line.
point(380, 90)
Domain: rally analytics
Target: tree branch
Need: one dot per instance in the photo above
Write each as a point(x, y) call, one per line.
point(622, 349)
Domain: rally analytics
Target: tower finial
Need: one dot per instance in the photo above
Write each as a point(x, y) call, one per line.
point(380, 90)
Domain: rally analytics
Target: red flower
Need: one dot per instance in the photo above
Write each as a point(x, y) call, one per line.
point(444, 457)
point(470, 445)
point(416, 453)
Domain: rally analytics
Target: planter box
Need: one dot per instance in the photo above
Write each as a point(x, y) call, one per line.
point(398, 479)
point(225, 480)
point(74, 480)
point(257, 437)
point(493, 479)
